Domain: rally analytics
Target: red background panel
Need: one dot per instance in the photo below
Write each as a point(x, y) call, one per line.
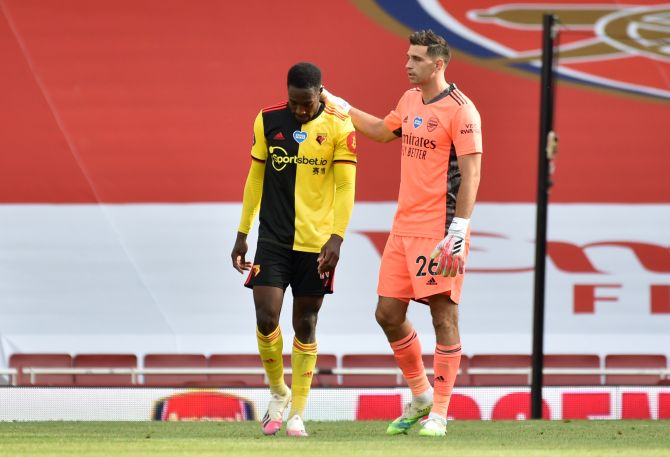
point(153, 101)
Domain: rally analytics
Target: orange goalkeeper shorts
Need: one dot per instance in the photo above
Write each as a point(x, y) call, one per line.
point(408, 273)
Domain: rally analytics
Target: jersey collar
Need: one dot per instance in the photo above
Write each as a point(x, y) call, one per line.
point(441, 95)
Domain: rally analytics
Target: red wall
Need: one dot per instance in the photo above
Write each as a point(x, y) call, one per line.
point(154, 100)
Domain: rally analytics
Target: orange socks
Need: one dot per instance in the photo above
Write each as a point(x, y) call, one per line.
point(407, 353)
point(445, 363)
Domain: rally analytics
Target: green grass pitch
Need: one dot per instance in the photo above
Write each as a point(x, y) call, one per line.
point(346, 439)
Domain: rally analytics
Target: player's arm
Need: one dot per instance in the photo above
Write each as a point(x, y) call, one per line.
point(345, 190)
point(470, 167)
point(253, 191)
point(450, 252)
point(369, 125)
point(344, 174)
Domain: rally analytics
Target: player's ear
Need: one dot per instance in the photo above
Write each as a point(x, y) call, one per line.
point(321, 89)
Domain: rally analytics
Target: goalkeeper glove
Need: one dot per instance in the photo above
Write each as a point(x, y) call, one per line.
point(450, 252)
point(335, 101)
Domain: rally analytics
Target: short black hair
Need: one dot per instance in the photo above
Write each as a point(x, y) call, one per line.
point(437, 46)
point(304, 75)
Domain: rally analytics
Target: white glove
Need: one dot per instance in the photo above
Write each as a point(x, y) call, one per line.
point(450, 252)
point(335, 101)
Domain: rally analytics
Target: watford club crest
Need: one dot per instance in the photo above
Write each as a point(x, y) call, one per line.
point(606, 44)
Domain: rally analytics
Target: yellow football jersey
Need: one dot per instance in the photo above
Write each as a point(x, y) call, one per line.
point(298, 186)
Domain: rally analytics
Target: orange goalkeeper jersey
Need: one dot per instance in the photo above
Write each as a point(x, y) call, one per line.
point(433, 135)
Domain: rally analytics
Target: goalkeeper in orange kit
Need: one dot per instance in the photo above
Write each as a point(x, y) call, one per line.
point(425, 254)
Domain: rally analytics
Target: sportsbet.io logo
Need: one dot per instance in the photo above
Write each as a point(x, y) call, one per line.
point(280, 159)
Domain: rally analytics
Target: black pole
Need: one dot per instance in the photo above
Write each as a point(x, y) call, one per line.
point(543, 184)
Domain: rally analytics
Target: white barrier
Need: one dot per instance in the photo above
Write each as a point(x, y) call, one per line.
point(325, 404)
point(33, 372)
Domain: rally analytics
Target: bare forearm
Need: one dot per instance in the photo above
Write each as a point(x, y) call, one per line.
point(371, 126)
point(467, 195)
point(470, 166)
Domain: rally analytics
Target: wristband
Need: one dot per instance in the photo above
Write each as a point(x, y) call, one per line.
point(459, 226)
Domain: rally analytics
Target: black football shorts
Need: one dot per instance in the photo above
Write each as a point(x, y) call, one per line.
point(279, 266)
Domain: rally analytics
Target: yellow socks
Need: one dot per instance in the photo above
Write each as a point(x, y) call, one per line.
point(303, 362)
point(270, 348)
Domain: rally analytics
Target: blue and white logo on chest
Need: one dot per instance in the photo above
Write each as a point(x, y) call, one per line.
point(299, 136)
point(418, 120)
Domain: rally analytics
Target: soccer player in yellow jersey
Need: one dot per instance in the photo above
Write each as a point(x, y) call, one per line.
point(302, 177)
point(424, 256)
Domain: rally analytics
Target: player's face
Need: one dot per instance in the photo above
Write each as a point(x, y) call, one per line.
point(303, 103)
point(420, 67)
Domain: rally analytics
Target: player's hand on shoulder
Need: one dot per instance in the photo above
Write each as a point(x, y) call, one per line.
point(333, 100)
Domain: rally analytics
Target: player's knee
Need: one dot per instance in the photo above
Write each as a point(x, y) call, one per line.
point(445, 323)
point(266, 322)
point(304, 327)
point(305, 322)
point(386, 318)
